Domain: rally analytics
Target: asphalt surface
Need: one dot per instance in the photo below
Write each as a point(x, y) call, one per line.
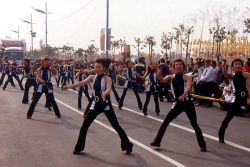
point(47, 141)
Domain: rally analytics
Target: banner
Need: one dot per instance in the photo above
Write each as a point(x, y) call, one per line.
point(102, 39)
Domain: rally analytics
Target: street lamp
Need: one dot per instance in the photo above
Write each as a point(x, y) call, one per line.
point(46, 25)
point(16, 31)
point(33, 34)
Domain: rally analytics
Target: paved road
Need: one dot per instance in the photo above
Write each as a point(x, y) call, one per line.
point(48, 141)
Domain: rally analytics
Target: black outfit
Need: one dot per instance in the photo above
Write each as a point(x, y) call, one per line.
point(152, 89)
point(60, 75)
point(84, 90)
point(30, 81)
point(239, 106)
point(12, 72)
point(98, 107)
point(130, 83)
point(68, 75)
point(47, 88)
point(164, 87)
point(4, 73)
point(111, 75)
point(187, 106)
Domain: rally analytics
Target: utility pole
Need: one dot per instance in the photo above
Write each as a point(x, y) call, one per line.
point(108, 32)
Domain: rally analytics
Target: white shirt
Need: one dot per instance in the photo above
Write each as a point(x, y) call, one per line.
point(208, 74)
point(198, 77)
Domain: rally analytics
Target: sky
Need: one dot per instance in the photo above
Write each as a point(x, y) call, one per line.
point(78, 22)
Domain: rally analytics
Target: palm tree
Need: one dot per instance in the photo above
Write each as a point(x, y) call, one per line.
point(138, 42)
point(179, 32)
point(115, 44)
point(166, 43)
point(122, 43)
point(150, 41)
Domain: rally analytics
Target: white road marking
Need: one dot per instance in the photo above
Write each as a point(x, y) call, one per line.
point(170, 160)
point(182, 127)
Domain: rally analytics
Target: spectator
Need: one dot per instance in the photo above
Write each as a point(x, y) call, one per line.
point(207, 79)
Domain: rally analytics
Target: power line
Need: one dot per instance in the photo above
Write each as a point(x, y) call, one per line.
point(85, 22)
point(73, 13)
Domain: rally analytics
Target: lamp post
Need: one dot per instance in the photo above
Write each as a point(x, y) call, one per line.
point(33, 34)
point(108, 30)
point(45, 12)
point(17, 32)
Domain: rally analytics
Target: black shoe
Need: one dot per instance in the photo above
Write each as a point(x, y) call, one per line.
point(129, 149)
point(22, 89)
point(28, 117)
point(145, 113)
point(59, 116)
point(140, 107)
point(203, 149)
point(76, 152)
point(79, 108)
point(222, 141)
point(119, 107)
point(154, 144)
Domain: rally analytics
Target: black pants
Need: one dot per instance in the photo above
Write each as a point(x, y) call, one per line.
point(177, 109)
point(163, 91)
point(136, 95)
point(28, 84)
point(90, 117)
point(85, 91)
point(18, 81)
point(2, 78)
point(9, 80)
point(35, 100)
point(117, 98)
point(235, 107)
point(67, 79)
point(145, 106)
point(60, 79)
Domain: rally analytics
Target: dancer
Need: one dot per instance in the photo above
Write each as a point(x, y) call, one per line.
point(5, 69)
point(83, 89)
point(130, 83)
point(241, 88)
point(101, 103)
point(152, 88)
point(44, 86)
point(181, 85)
point(30, 81)
point(111, 74)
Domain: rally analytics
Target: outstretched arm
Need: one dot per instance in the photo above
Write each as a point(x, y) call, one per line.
point(80, 83)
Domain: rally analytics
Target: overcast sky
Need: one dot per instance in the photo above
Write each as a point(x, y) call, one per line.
point(128, 18)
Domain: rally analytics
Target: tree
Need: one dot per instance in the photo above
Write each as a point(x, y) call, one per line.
point(79, 52)
point(166, 43)
point(92, 50)
point(188, 31)
point(150, 41)
point(247, 30)
point(122, 43)
point(219, 35)
point(115, 45)
point(138, 42)
point(179, 32)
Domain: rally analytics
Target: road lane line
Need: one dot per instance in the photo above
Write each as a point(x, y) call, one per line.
point(168, 159)
point(182, 127)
